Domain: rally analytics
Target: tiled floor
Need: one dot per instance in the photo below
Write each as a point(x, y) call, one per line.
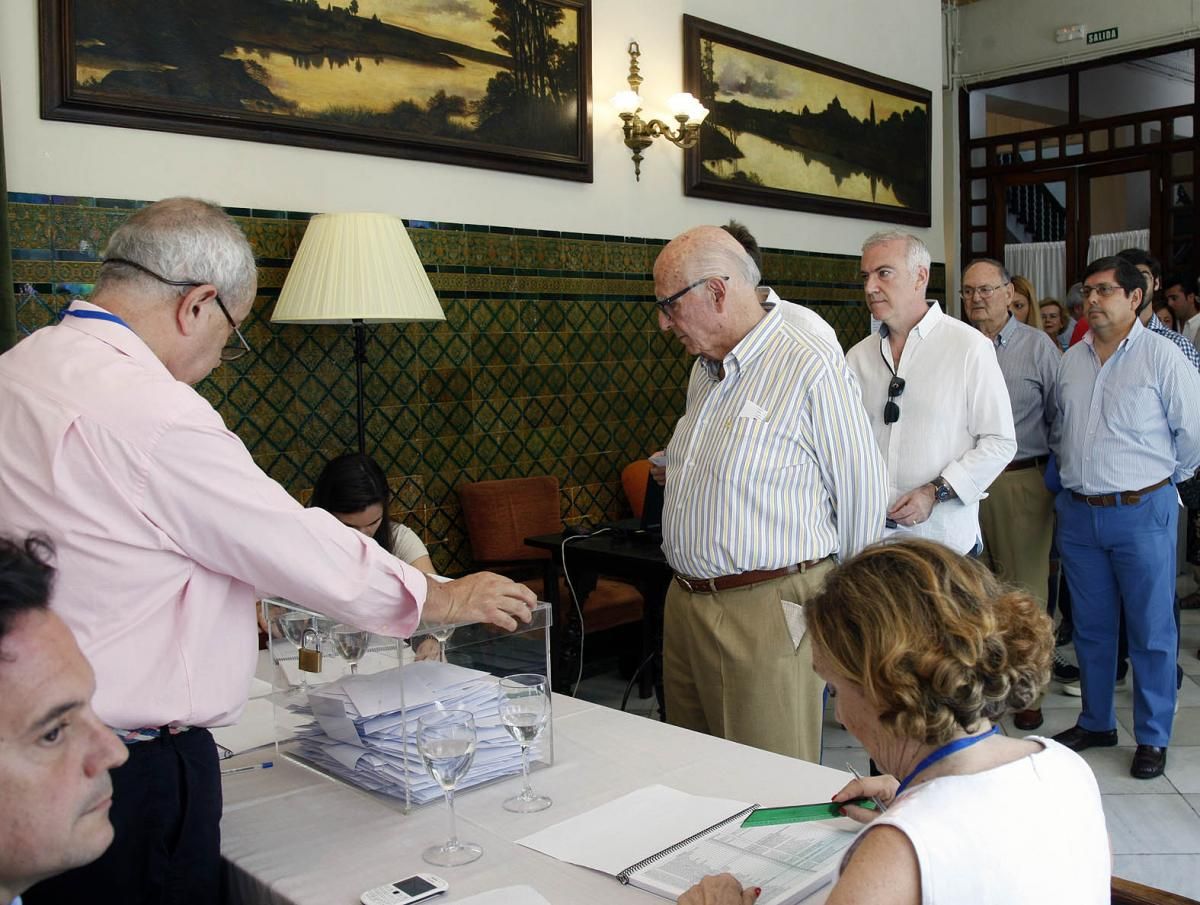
point(1154, 825)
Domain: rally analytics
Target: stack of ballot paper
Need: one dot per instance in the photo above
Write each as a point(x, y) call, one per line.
point(365, 729)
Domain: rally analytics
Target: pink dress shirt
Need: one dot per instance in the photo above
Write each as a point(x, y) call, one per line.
point(166, 530)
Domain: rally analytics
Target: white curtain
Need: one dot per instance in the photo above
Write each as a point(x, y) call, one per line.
point(1108, 244)
point(1042, 263)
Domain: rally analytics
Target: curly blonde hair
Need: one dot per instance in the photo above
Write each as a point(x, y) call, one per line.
point(933, 638)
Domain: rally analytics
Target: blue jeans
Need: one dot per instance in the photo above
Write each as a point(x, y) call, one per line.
point(1114, 554)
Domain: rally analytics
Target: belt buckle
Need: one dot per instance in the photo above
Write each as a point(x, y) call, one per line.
point(1096, 502)
point(687, 585)
point(1131, 499)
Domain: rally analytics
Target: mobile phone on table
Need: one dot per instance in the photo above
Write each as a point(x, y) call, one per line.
point(416, 888)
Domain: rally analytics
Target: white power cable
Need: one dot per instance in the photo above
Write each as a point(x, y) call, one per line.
point(575, 598)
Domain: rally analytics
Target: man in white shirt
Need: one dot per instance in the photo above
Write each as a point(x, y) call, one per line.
point(1181, 296)
point(935, 395)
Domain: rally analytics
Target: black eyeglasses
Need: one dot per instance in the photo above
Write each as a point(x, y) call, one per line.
point(891, 411)
point(664, 305)
point(230, 352)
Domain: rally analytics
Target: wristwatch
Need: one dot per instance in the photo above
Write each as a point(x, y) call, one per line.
point(941, 490)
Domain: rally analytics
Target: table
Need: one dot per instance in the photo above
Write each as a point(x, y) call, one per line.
point(293, 837)
point(641, 564)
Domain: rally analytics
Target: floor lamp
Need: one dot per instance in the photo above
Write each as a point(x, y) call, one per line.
point(356, 269)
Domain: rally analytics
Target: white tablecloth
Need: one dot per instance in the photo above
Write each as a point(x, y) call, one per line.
point(293, 837)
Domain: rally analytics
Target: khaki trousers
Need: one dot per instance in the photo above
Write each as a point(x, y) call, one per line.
point(730, 667)
point(1017, 520)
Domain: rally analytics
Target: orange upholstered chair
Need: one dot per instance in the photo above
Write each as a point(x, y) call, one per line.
point(633, 480)
point(501, 514)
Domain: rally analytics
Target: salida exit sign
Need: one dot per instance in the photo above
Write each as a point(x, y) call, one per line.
point(1104, 34)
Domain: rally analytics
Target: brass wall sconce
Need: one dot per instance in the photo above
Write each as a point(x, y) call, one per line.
point(639, 134)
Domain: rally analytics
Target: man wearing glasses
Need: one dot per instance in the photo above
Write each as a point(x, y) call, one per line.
point(1017, 517)
point(1127, 430)
point(165, 528)
point(770, 473)
point(935, 395)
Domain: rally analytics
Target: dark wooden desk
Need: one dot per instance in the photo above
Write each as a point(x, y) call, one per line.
point(602, 554)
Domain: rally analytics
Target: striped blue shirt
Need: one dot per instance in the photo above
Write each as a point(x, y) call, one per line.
point(1029, 361)
point(1130, 422)
point(773, 463)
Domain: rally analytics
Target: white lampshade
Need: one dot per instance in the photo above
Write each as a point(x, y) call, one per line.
point(356, 267)
point(626, 101)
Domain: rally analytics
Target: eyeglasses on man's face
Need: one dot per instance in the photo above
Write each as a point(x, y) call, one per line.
point(984, 292)
point(232, 351)
point(666, 305)
point(1104, 290)
point(891, 411)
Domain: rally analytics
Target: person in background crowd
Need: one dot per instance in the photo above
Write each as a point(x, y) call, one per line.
point(935, 395)
point(803, 316)
point(1180, 292)
point(105, 445)
point(354, 489)
point(1051, 313)
point(1017, 518)
point(1074, 305)
point(1127, 419)
point(924, 650)
point(1024, 304)
point(1165, 315)
point(55, 754)
point(770, 473)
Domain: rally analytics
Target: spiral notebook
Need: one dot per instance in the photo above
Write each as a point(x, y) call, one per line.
point(663, 841)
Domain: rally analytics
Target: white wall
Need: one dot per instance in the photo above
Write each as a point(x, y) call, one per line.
point(101, 161)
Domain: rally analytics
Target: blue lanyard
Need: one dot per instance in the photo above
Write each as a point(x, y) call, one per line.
point(96, 316)
point(943, 752)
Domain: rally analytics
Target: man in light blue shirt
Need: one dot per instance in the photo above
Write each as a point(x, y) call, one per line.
point(1127, 430)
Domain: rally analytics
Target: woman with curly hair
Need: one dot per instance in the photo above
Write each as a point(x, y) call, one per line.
point(924, 651)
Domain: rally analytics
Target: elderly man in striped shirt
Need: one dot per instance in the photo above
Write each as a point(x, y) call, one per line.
point(771, 472)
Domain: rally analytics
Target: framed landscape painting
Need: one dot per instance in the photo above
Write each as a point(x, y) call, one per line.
point(792, 130)
point(502, 84)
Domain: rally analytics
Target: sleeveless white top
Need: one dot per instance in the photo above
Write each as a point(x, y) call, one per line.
point(1031, 831)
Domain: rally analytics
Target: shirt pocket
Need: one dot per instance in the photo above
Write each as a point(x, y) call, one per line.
point(1132, 409)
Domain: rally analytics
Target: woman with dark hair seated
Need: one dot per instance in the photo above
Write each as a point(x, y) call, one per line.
point(354, 490)
point(924, 650)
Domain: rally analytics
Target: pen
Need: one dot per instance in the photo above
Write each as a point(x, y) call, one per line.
point(879, 805)
point(265, 765)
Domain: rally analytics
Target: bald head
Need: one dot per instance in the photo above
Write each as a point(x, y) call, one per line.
point(705, 283)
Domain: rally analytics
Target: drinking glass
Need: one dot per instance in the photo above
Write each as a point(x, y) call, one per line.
point(294, 626)
point(351, 644)
point(524, 709)
point(446, 740)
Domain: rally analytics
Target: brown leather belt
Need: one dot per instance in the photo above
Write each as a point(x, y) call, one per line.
point(742, 579)
point(1126, 497)
point(1019, 464)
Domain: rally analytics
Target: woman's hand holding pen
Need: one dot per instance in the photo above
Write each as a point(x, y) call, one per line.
point(881, 788)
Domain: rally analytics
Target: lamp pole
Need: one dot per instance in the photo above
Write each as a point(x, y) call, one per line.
point(360, 358)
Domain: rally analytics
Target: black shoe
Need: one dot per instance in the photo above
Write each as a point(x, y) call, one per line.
point(1063, 636)
point(1028, 720)
point(1067, 674)
point(1149, 761)
point(1079, 739)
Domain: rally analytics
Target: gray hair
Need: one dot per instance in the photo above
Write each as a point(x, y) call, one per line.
point(725, 259)
point(1004, 276)
point(1074, 297)
point(915, 253)
point(183, 239)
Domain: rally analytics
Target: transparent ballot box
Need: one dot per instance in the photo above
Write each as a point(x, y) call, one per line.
point(347, 702)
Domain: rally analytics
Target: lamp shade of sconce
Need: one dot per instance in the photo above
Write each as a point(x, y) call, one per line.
point(639, 134)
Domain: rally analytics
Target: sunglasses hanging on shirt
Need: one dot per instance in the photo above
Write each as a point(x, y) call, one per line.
point(891, 411)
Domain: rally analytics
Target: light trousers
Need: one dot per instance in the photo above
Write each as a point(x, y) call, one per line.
point(731, 669)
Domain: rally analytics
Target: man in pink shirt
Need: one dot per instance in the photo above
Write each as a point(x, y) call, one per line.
point(167, 532)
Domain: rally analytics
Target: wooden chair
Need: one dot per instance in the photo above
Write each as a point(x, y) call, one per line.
point(1126, 892)
point(501, 514)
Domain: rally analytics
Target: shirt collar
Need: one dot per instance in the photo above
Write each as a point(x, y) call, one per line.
point(1134, 332)
point(1004, 337)
point(121, 338)
point(925, 325)
point(748, 348)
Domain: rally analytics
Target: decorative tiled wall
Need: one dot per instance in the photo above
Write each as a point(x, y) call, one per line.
point(550, 360)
